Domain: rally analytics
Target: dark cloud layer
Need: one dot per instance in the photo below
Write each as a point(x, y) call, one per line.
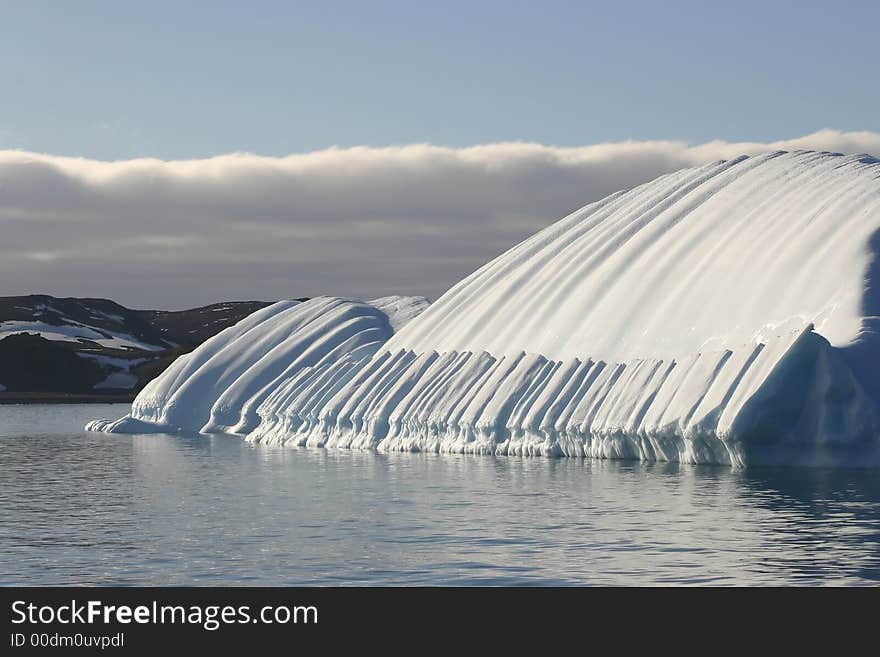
point(356, 222)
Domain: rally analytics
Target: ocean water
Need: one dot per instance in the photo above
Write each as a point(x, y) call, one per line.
point(81, 508)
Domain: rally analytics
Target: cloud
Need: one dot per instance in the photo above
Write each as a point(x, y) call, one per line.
point(357, 222)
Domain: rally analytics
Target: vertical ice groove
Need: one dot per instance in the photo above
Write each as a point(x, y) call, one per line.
point(516, 421)
point(700, 380)
point(557, 389)
point(593, 401)
point(635, 423)
point(379, 415)
point(590, 371)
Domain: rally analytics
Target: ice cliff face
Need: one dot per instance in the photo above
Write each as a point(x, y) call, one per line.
point(724, 314)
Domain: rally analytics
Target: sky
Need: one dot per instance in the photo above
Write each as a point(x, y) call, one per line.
point(172, 154)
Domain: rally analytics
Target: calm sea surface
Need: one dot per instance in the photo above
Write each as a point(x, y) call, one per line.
point(80, 508)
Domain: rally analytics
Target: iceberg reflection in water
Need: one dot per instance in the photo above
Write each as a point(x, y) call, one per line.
point(91, 508)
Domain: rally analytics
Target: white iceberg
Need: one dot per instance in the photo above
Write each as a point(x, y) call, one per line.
point(724, 314)
point(219, 386)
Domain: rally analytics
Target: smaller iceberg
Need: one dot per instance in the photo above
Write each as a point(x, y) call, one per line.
point(219, 386)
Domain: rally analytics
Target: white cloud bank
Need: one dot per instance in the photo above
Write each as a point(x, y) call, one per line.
point(357, 222)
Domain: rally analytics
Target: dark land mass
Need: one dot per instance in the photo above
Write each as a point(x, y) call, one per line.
point(70, 350)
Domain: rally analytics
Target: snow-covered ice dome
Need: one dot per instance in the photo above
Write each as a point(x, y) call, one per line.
point(728, 313)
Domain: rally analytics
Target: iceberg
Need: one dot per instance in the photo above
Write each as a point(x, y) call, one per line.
point(726, 314)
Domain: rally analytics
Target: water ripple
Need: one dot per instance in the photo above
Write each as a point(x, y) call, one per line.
point(80, 508)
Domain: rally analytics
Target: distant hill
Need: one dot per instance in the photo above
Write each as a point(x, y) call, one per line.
point(77, 349)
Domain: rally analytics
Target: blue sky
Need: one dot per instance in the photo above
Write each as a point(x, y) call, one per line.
point(115, 80)
point(452, 84)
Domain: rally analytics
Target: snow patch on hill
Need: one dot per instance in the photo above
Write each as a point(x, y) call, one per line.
point(75, 332)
